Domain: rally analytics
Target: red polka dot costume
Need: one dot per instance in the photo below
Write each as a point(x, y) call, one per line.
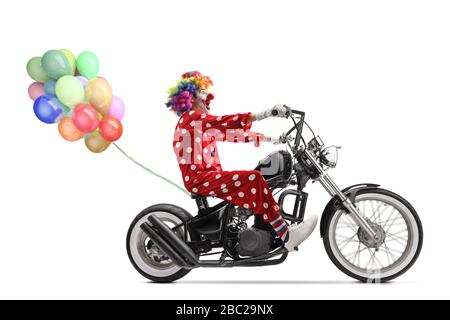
point(195, 146)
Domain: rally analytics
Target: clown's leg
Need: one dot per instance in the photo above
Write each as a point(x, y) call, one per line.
point(292, 235)
point(249, 189)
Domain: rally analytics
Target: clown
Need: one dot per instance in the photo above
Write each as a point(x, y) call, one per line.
point(194, 143)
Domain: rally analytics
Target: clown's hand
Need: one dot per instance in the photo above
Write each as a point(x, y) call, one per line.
point(274, 140)
point(279, 110)
point(284, 138)
point(278, 140)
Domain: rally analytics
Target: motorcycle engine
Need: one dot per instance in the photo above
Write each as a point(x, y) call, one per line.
point(250, 241)
point(254, 242)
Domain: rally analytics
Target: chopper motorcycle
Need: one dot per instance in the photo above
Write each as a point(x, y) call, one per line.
point(369, 233)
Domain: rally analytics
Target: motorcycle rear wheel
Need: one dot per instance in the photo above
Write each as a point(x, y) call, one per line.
point(400, 237)
point(146, 257)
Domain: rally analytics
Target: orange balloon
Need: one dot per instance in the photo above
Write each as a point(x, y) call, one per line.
point(99, 94)
point(68, 130)
point(95, 143)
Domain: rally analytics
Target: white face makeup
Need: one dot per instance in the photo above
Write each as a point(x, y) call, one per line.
point(202, 94)
point(200, 100)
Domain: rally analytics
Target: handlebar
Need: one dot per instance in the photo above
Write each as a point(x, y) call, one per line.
point(302, 113)
point(298, 126)
point(275, 112)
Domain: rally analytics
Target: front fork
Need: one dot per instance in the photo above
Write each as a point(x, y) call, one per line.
point(334, 190)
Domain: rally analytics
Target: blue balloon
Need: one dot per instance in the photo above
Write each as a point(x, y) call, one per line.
point(49, 87)
point(48, 109)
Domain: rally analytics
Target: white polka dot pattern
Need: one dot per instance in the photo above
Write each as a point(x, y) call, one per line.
point(246, 189)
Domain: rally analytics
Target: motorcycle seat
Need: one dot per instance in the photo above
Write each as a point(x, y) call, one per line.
point(198, 196)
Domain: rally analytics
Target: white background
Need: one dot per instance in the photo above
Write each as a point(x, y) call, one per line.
point(372, 76)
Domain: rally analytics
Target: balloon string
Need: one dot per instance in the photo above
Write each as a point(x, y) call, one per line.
point(151, 171)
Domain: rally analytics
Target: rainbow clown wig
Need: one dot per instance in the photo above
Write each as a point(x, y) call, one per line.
point(181, 96)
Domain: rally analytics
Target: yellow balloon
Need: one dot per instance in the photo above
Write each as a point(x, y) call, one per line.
point(99, 94)
point(95, 143)
point(69, 55)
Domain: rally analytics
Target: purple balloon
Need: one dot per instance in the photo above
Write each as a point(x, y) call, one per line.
point(84, 81)
point(117, 108)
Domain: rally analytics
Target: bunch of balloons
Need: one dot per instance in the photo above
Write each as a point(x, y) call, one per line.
point(69, 92)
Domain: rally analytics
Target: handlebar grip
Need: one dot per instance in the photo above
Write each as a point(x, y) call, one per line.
point(302, 113)
point(275, 112)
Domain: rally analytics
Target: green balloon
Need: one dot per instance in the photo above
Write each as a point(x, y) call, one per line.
point(56, 64)
point(35, 70)
point(88, 65)
point(67, 111)
point(69, 90)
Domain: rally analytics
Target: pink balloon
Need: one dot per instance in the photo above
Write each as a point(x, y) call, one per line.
point(117, 108)
point(35, 90)
point(85, 117)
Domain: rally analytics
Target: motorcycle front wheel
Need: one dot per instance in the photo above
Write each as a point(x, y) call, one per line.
point(399, 232)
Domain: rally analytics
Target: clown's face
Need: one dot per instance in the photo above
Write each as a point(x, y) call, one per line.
point(202, 94)
point(199, 102)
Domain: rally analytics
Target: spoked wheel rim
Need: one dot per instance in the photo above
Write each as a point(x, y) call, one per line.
point(397, 232)
point(147, 256)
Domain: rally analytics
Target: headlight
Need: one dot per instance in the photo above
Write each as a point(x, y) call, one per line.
point(329, 156)
point(315, 144)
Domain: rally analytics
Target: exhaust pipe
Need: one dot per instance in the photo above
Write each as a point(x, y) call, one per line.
point(161, 243)
point(180, 253)
point(173, 240)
